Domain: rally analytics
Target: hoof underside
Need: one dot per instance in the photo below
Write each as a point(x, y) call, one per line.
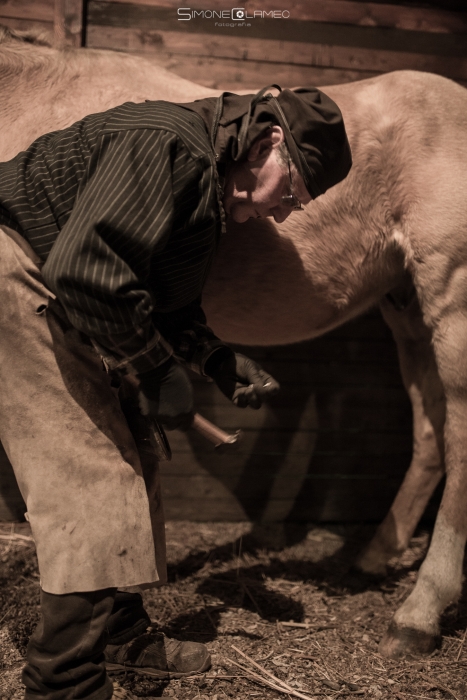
point(402, 641)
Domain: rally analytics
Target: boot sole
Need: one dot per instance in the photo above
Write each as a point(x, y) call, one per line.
point(154, 672)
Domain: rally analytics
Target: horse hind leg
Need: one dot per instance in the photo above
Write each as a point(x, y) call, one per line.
point(415, 627)
point(423, 385)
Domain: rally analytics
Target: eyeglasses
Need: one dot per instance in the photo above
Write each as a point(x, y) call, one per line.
point(291, 200)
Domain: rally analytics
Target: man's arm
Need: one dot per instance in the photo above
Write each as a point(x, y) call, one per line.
point(99, 267)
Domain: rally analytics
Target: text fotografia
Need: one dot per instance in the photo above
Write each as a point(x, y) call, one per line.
point(238, 14)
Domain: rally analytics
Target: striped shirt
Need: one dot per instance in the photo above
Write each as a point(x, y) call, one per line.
point(125, 209)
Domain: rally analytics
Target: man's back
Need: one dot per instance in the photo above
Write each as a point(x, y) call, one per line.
point(39, 187)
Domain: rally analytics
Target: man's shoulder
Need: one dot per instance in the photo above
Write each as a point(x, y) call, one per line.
point(161, 116)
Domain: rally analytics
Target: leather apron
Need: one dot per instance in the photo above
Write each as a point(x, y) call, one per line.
point(90, 485)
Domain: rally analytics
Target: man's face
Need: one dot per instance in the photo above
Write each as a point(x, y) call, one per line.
point(254, 188)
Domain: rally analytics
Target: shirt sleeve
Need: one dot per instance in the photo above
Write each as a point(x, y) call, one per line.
point(184, 333)
point(99, 266)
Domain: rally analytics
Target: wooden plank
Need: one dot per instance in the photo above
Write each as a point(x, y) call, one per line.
point(28, 9)
point(364, 14)
point(365, 502)
point(271, 443)
point(68, 23)
point(357, 410)
point(450, 5)
point(326, 34)
point(325, 501)
point(258, 471)
point(231, 511)
point(248, 75)
point(253, 488)
point(167, 44)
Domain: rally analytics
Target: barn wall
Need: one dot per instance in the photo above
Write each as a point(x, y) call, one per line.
point(320, 42)
point(334, 445)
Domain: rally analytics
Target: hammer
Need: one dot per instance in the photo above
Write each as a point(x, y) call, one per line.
point(219, 438)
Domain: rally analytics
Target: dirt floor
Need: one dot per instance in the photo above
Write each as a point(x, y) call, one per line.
point(285, 598)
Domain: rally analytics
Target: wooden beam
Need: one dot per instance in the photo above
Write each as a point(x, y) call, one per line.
point(363, 14)
point(270, 442)
point(263, 469)
point(36, 10)
point(244, 50)
point(148, 18)
point(230, 75)
point(325, 503)
point(68, 23)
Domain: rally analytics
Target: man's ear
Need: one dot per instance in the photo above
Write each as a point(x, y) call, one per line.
point(271, 139)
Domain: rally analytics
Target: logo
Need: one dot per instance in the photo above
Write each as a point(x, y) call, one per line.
point(236, 14)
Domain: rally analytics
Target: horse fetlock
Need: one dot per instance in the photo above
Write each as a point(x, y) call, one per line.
point(421, 611)
point(400, 641)
point(372, 560)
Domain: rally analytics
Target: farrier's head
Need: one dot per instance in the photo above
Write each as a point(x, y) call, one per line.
point(290, 149)
point(266, 183)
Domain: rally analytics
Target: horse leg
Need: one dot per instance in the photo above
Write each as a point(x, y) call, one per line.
point(421, 380)
point(415, 626)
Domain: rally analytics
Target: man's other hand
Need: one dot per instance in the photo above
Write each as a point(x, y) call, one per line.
point(243, 381)
point(166, 394)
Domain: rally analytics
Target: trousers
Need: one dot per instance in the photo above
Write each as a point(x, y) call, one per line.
point(65, 655)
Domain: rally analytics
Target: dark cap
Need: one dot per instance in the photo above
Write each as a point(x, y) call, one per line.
point(315, 135)
point(312, 124)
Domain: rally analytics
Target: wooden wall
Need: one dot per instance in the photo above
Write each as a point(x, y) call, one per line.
point(332, 446)
point(321, 42)
point(335, 443)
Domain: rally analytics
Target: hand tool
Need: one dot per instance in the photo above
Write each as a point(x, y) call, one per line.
point(221, 440)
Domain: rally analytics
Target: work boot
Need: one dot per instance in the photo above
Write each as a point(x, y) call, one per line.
point(154, 654)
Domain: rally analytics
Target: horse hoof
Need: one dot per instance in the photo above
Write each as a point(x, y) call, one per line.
point(402, 641)
point(371, 564)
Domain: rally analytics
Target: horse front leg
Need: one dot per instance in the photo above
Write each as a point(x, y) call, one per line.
point(423, 385)
point(415, 626)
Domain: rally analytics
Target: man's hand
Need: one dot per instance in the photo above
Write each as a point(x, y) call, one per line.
point(166, 394)
point(243, 381)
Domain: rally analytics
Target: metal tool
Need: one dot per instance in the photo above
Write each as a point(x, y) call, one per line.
point(221, 440)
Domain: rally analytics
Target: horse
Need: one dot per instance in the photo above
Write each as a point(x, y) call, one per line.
point(393, 233)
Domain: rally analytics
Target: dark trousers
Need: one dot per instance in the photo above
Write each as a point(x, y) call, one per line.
point(65, 655)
